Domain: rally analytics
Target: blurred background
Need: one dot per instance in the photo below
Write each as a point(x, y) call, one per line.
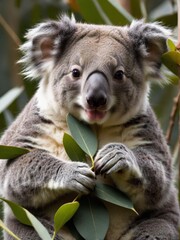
point(16, 16)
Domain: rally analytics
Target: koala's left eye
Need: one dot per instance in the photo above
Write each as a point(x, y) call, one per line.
point(119, 75)
point(76, 73)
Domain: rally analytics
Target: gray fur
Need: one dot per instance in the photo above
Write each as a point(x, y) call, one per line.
point(117, 62)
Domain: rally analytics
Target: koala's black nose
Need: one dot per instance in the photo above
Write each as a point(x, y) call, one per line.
point(96, 100)
point(96, 89)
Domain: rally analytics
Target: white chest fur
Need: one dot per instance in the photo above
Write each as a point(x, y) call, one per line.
point(52, 141)
point(52, 137)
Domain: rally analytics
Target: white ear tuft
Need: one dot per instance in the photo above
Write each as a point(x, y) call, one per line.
point(44, 42)
point(149, 40)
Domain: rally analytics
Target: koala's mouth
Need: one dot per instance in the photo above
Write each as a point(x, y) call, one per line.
point(95, 115)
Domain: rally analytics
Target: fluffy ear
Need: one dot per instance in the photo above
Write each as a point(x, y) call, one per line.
point(44, 42)
point(149, 42)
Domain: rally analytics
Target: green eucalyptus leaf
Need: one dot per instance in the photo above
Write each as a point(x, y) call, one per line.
point(73, 230)
point(169, 20)
point(114, 16)
point(91, 219)
point(25, 217)
point(171, 45)
point(174, 79)
point(8, 231)
point(113, 195)
point(18, 211)
point(126, 18)
point(8, 98)
point(104, 12)
point(37, 225)
point(135, 6)
point(9, 152)
point(90, 12)
point(83, 135)
point(171, 60)
point(74, 152)
point(64, 214)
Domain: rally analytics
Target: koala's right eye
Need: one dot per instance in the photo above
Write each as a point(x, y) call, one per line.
point(76, 73)
point(119, 75)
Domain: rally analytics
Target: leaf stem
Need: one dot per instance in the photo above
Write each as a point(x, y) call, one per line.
point(134, 210)
point(54, 234)
point(78, 196)
point(8, 231)
point(92, 162)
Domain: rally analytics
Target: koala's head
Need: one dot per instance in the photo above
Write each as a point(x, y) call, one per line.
point(100, 74)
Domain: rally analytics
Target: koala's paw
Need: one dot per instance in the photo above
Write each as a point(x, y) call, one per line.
point(114, 158)
point(152, 229)
point(78, 177)
point(147, 236)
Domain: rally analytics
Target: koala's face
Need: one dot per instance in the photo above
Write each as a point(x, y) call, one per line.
point(98, 73)
point(102, 81)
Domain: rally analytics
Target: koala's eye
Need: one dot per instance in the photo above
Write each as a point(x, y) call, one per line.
point(76, 73)
point(119, 75)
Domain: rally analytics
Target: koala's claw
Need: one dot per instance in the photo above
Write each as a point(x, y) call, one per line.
point(108, 163)
point(79, 178)
point(113, 158)
point(150, 237)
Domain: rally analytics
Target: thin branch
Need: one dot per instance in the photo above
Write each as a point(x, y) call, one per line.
point(175, 110)
point(9, 30)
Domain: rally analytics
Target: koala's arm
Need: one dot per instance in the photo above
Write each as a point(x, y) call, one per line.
point(38, 177)
point(144, 172)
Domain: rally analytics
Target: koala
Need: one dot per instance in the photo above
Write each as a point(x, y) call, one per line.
point(101, 75)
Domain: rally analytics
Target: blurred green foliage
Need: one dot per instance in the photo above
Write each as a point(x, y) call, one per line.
point(23, 14)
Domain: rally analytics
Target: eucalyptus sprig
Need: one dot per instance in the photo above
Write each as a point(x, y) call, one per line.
point(91, 219)
point(89, 215)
